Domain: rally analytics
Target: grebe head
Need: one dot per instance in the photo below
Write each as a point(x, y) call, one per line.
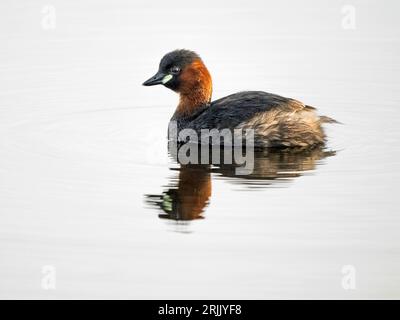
point(184, 72)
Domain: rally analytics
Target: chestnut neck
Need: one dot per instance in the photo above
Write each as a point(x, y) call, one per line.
point(195, 90)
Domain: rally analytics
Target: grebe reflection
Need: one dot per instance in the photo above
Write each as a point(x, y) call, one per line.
point(189, 191)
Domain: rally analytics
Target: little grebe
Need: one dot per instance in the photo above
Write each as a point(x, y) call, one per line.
point(277, 121)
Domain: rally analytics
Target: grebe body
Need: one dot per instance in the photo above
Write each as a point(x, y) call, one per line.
point(275, 120)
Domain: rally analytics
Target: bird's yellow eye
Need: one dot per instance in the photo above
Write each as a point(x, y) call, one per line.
point(175, 70)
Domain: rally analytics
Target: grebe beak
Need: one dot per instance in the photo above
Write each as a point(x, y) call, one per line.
point(158, 78)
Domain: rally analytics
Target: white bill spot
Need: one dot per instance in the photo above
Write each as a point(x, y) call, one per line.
point(167, 78)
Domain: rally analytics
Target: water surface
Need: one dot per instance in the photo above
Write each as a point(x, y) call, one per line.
point(88, 185)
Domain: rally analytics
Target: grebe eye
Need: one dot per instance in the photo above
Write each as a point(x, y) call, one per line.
point(175, 70)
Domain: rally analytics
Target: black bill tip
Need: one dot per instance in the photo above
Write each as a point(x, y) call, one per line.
point(154, 80)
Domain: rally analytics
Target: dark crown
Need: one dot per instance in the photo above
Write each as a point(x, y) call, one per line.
point(180, 58)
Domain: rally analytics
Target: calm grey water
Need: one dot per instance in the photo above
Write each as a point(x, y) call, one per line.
point(87, 186)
